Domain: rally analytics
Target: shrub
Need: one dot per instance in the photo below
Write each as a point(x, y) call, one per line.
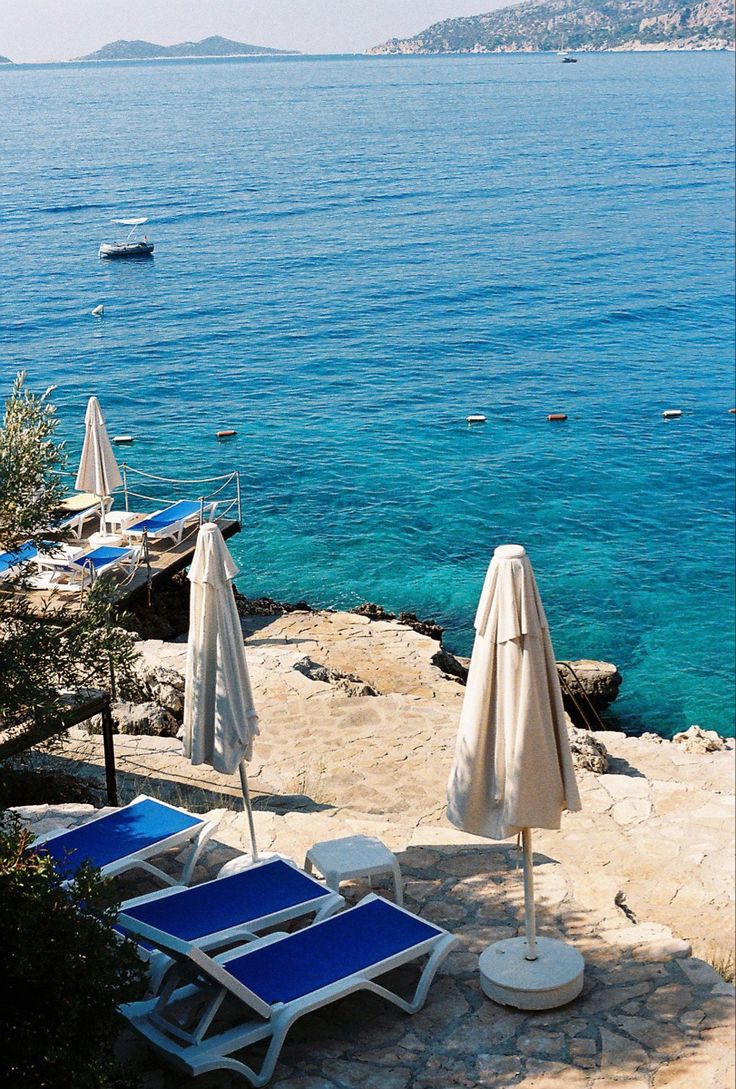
point(63, 969)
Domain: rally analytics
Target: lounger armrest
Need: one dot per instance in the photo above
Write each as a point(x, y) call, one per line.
point(200, 841)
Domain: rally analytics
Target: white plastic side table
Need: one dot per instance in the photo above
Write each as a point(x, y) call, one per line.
point(354, 856)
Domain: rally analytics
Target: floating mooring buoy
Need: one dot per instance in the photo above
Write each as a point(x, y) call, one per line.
point(122, 440)
point(227, 433)
point(672, 414)
point(556, 416)
point(98, 311)
point(477, 419)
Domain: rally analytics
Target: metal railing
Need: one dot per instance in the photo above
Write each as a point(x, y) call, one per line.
point(223, 499)
point(579, 698)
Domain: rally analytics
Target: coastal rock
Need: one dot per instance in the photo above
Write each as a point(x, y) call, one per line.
point(599, 680)
point(166, 615)
point(409, 620)
point(588, 753)
point(698, 740)
point(144, 718)
point(451, 665)
point(373, 611)
point(266, 606)
point(349, 683)
point(165, 687)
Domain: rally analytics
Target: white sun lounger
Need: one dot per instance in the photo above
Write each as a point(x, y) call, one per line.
point(170, 521)
point(277, 979)
point(89, 506)
point(230, 909)
point(126, 838)
point(85, 568)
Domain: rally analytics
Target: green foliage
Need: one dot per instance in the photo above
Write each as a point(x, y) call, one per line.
point(64, 971)
point(41, 661)
point(44, 658)
point(30, 463)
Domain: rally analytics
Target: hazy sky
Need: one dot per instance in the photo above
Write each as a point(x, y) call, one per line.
point(39, 30)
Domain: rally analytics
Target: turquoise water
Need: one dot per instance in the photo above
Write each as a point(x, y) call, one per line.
point(351, 256)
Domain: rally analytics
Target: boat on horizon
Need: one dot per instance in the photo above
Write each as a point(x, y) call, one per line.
point(131, 246)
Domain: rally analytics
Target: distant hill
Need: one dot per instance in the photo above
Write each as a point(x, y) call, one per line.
point(5, 60)
point(208, 47)
point(581, 25)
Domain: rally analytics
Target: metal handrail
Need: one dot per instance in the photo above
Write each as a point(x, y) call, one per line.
point(226, 480)
point(172, 480)
point(569, 692)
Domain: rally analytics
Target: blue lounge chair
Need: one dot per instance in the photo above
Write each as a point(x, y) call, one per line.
point(230, 909)
point(100, 560)
point(74, 523)
point(278, 979)
point(9, 561)
point(126, 838)
point(170, 521)
point(51, 554)
point(84, 569)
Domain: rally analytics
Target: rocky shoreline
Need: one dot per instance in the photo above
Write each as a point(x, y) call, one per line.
point(358, 719)
point(357, 730)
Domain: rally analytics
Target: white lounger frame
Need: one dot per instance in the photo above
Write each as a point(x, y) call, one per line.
point(176, 529)
point(189, 1051)
point(198, 834)
point(323, 905)
point(74, 523)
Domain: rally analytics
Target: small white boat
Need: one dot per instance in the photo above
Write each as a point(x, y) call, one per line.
point(132, 246)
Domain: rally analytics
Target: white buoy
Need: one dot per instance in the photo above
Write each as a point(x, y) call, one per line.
point(477, 419)
point(98, 311)
point(123, 440)
point(672, 414)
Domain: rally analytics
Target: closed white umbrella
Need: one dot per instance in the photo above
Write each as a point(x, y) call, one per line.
point(98, 471)
point(220, 719)
point(513, 768)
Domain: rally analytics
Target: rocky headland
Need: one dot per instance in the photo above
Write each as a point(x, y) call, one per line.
point(579, 25)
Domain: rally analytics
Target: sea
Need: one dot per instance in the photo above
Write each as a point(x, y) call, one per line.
point(353, 254)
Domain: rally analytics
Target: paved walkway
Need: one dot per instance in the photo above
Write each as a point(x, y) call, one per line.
point(655, 834)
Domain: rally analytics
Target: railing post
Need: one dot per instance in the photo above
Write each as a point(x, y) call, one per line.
point(109, 750)
point(237, 487)
point(124, 467)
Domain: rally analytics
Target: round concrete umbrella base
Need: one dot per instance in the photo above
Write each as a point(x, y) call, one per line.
point(554, 978)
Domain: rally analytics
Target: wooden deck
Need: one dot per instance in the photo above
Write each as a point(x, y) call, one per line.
point(166, 559)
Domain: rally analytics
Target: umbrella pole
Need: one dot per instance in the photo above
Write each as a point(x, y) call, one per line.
point(248, 810)
point(531, 926)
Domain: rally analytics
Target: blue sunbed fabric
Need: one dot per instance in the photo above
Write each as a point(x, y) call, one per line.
point(100, 557)
point(322, 954)
point(185, 508)
point(218, 905)
point(20, 555)
point(116, 836)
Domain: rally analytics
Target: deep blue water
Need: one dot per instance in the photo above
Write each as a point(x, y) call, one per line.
point(351, 256)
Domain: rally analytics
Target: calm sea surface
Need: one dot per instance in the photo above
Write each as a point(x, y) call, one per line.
point(354, 254)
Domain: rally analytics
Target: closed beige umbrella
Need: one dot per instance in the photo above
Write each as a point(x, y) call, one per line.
point(98, 471)
point(513, 768)
point(220, 719)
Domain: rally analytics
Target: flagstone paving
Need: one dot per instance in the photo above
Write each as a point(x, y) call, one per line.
point(650, 1014)
point(642, 875)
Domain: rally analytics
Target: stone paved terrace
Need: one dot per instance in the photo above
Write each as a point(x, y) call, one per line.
point(330, 761)
point(650, 1016)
